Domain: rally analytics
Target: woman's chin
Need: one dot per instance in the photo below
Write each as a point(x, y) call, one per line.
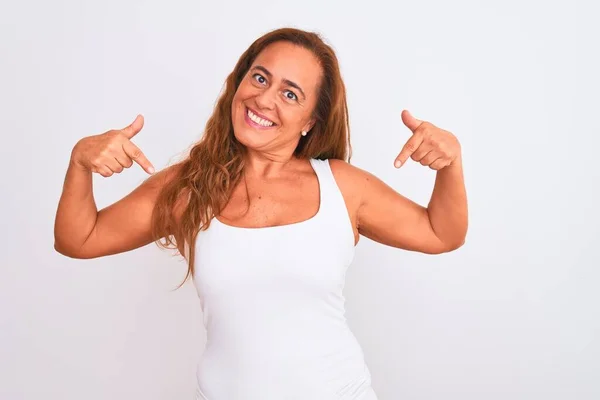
point(249, 138)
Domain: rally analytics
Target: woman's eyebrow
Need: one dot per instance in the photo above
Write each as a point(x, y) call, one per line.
point(286, 81)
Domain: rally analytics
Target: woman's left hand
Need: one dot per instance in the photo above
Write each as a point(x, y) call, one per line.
point(429, 145)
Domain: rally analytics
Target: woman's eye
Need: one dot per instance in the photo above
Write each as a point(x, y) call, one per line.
point(259, 78)
point(291, 95)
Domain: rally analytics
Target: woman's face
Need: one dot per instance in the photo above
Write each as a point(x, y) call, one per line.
point(276, 98)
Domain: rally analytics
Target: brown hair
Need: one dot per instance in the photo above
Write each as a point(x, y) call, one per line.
point(205, 179)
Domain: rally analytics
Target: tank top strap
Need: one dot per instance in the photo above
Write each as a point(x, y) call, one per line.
point(332, 201)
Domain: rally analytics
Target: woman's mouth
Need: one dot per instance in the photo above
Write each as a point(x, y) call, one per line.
point(258, 122)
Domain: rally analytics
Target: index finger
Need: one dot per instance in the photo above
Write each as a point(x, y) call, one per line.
point(409, 148)
point(137, 156)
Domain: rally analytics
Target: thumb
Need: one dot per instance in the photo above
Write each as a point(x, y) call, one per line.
point(411, 122)
point(136, 126)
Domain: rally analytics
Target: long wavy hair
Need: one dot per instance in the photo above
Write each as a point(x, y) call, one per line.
point(204, 180)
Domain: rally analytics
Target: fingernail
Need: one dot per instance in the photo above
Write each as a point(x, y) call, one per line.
point(397, 163)
point(151, 170)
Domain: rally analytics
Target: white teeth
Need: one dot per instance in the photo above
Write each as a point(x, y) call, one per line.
point(258, 120)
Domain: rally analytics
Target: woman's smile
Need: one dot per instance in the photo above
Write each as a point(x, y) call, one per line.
point(257, 120)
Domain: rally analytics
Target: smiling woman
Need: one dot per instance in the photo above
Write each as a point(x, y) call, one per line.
point(267, 211)
point(286, 110)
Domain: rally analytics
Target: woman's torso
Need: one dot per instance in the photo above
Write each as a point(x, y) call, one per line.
point(272, 297)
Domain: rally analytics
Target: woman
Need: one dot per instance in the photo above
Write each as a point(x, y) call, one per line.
point(267, 211)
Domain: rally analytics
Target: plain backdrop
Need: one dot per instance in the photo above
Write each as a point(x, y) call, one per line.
point(513, 314)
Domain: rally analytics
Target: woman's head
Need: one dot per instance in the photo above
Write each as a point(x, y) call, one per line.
point(276, 98)
point(288, 81)
point(298, 57)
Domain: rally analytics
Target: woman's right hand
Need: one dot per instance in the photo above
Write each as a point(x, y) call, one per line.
point(110, 152)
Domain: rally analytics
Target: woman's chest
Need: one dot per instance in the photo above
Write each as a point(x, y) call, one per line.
point(306, 254)
point(261, 204)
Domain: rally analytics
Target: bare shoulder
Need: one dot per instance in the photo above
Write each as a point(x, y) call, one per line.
point(351, 179)
point(352, 182)
point(158, 181)
point(384, 215)
point(164, 176)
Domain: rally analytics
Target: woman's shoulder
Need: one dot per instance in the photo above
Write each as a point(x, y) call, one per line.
point(351, 180)
point(349, 175)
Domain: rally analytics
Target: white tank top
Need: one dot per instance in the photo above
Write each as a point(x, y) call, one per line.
point(274, 310)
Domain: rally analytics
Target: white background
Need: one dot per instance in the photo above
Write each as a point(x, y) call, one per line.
point(513, 314)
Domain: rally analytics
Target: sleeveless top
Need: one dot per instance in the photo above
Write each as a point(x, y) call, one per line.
point(273, 308)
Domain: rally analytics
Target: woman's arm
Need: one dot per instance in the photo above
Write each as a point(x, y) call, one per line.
point(447, 209)
point(76, 213)
point(81, 231)
point(389, 218)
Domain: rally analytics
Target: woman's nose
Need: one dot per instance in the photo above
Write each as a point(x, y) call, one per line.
point(266, 99)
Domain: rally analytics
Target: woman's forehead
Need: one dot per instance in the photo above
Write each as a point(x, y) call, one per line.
point(288, 61)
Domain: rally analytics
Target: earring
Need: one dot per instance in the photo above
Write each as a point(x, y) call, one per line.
point(304, 133)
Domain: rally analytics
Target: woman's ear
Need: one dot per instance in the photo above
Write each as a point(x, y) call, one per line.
point(309, 125)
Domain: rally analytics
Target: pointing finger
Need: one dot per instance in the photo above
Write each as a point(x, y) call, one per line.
point(137, 156)
point(409, 148)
